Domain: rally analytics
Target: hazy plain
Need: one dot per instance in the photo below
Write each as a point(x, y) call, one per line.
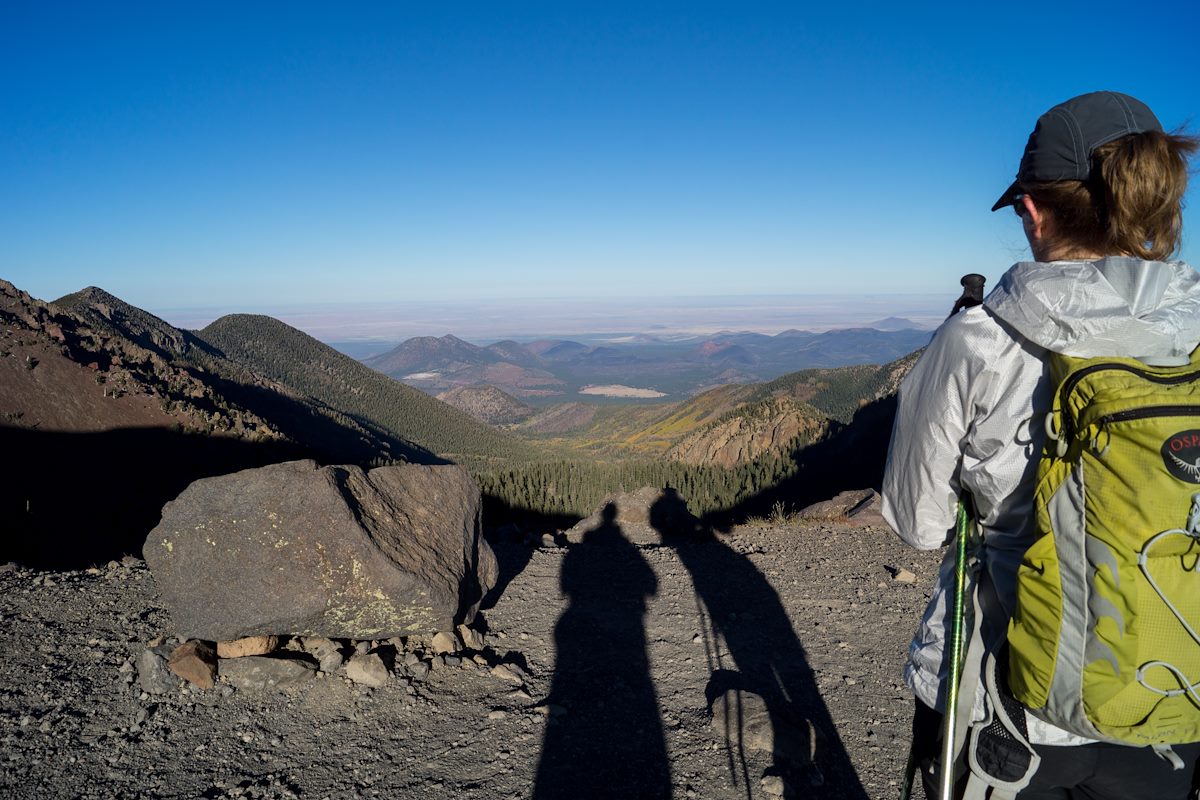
point(526, 320)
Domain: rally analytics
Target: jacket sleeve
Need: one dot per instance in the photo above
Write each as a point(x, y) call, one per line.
point(933, 417)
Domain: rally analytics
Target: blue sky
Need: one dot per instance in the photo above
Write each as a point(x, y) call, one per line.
point(245, 156)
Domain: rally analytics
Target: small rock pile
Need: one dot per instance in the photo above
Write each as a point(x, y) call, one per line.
point(258, 663)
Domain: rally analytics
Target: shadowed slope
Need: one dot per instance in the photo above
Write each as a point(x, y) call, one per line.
point(75, 499)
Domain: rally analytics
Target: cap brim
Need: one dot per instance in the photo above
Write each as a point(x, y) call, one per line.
point(1009, 196)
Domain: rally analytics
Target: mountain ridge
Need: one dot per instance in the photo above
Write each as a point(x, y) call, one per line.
point(294, 359)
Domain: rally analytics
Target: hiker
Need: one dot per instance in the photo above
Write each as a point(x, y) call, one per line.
point(1099, 195)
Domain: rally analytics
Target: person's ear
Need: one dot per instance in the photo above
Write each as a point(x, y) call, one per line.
point(1035, 218)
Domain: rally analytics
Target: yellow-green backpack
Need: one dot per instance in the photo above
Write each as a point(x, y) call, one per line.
point(1105, 638)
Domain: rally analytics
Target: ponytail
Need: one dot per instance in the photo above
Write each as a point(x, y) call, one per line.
point(1144, 178)
point(1133, 203)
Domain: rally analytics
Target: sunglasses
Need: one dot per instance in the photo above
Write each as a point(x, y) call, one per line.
point(1018, 205)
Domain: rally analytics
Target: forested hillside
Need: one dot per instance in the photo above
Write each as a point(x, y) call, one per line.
point(754, 417)
point(848, 456)
point(796, 439)
point(308, 367)
point(576, 488)
point(839, 392)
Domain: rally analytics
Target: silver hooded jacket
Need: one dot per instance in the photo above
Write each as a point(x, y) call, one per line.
point(971, 411)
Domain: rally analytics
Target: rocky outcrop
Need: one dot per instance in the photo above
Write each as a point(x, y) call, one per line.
point(337, 552)
point(858, 508)
point(751, 431)
point(643, 516)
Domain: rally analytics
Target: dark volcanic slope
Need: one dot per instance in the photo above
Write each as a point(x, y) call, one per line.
point(306, 366)
point(321, 428)
point(107, 412)
point(114, 316)
point(98, 432)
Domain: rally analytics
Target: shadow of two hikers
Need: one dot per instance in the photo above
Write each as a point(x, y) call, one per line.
point(762, 691)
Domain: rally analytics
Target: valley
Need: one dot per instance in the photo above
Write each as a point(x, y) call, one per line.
point(248, 390)
point(113, 413)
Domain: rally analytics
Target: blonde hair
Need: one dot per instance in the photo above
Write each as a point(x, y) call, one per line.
point(1133, 203)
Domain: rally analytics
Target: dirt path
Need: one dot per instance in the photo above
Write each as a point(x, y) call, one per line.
point(624, 647)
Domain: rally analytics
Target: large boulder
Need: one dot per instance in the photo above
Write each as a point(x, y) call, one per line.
point(295, 548)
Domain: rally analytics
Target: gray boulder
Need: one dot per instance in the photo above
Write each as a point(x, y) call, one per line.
point(337, 552)
point(265, 672)
point(745, 721)
point(154, 676)
point(327, 652)
point(367, 669)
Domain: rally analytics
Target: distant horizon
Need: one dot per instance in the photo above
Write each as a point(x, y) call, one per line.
point(487, 321)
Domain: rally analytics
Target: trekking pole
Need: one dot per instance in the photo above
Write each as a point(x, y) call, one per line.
point(972, 296)
point(964, 525)
point(963, 530)
point(910, 773)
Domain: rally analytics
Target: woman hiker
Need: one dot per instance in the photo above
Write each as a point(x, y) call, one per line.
point(1099, 195)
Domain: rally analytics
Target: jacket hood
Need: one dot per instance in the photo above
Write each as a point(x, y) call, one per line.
point(1113, 306)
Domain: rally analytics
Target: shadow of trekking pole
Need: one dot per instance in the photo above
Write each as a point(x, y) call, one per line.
point(762, 689)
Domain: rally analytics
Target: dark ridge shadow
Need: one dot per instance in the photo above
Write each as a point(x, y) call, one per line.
point(70, 500)
point(752, 648)
point(513, 534)
point(609, 743)
point(511, 559)
point(852, 457)
point(498, 513)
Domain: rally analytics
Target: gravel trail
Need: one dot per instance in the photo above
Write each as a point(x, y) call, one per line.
point(617, 656)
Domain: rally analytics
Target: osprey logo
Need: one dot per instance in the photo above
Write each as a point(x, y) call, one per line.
point(1181, 454)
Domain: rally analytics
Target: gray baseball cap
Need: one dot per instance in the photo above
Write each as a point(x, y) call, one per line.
point(1060, 147)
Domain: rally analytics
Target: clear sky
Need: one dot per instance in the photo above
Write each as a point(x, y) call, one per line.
point(246, 155)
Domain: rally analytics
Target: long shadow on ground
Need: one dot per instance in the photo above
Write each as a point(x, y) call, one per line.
point(752, 648)
point(609, 742)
